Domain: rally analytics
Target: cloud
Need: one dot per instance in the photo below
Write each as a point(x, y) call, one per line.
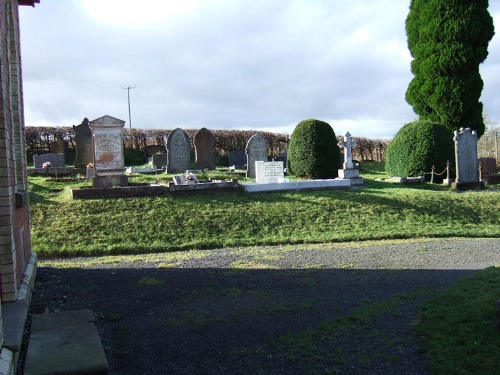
point(244, 64)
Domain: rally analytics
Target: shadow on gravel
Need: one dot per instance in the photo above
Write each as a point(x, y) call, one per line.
point(256, 321)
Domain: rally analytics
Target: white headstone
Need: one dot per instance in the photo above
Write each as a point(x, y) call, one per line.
point(348, 143)
point(269, 172)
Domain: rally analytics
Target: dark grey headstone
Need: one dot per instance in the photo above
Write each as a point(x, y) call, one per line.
point(178, 148)
point(466, 155)
point(238, 159)
point(83, 144)
point(204, 145)
point(488, 165)
point(159, 160)
point(55, 160)
point(256, 150)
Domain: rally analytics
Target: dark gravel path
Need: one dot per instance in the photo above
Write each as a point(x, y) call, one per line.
point(322, 309)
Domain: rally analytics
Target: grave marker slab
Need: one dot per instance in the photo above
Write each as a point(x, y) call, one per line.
point(55, 160)
point(178, 149)
point(204, 145)
point(159, 160)
point(238, 159)
point(466, 160)
point(256, 150)
point(83, 144)
point(109, 163)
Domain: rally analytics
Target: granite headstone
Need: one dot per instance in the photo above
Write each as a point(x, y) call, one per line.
point(256, 150)
point(204, 145)
point(83, 144)
point(178, 150)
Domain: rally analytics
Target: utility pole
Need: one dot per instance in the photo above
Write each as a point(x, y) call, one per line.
point(128, 96)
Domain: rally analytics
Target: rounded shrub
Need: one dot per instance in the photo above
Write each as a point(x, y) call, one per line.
point(417, 147)
point(313, 151)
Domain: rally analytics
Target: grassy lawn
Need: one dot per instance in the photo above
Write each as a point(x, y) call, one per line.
point(380, 210)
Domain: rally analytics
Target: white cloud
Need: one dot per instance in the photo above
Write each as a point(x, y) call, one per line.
point(225, 64)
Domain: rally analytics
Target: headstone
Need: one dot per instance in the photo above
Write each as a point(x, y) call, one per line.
point(269, 172)
point(109, 162)
point(55, 160)
point(83, 144)
point(178, 149)
point(466, 160)
point(238, 159)
point(348, 171)
point(204, 145)
point(347, 143)
point(256, 150)
point(488, 166)
point(59, 147)
point(159, 161)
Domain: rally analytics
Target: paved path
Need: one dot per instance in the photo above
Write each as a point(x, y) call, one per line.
point(333, 308)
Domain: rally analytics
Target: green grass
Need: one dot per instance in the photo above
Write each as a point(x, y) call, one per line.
point(458, 325)
point(380, 210)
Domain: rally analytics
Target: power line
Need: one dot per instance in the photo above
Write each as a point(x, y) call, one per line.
point(128, 96)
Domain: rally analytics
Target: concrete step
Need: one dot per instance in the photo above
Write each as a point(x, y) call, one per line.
point(65, 343)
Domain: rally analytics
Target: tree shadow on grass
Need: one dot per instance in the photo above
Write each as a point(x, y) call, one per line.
point(251, 321)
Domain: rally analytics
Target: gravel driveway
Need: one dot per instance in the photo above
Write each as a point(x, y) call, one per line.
point(302, 309)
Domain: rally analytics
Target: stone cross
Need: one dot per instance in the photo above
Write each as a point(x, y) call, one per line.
point(348, 143)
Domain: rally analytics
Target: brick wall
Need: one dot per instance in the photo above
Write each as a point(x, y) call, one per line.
point(15, 244)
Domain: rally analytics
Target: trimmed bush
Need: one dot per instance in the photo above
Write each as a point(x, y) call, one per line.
point(313, 151)
point(417, 147)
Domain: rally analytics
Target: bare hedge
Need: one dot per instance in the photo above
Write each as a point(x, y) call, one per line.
point(39, 139)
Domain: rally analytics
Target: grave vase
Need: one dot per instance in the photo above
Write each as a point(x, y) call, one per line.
point(90, 172)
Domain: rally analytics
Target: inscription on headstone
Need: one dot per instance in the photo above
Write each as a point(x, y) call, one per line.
point(178, 148)
point(204, 145)
point(83, 144)
point(269, 172)
point(256, 150)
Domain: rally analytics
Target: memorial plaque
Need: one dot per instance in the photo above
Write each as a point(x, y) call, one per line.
point(268, 172)
point(108, 151)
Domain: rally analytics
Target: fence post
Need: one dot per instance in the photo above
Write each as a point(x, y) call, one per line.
point(432, 174)
point(448, 170)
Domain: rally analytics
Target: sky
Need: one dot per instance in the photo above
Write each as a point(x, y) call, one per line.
point(226, 64)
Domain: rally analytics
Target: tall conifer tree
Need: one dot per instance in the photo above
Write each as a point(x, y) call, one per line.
point(448, 39)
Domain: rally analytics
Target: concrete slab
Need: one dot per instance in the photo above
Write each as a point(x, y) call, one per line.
point(298, 185)
point(65, 343)
point(14, 319)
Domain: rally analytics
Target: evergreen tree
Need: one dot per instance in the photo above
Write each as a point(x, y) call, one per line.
point(448, 39)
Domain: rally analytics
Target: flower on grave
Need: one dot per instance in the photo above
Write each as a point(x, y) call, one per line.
point(47, 164)
point(190, 176)
point(90, 165)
